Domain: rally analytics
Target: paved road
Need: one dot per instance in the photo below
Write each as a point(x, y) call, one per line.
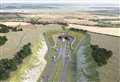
point(65, 59)
point(64, 71)
point(63, 51)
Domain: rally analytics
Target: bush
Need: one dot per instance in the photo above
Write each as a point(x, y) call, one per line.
point(3, 40)
point(4, 28)
point(100, 55)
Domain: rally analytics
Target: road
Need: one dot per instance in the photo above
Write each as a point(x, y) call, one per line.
point(65, 58)
point(47, 77)
point(62, 52)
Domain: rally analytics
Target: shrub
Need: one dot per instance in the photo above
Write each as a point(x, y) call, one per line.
point(100, 55)
point(4, 28)
point(3, 40)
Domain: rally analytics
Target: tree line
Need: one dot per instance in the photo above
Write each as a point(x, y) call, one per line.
point(36, 21)
point(77, 30)
point(9, 65)
point(6, 29)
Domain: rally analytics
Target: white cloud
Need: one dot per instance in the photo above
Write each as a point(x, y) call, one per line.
point(60, 1)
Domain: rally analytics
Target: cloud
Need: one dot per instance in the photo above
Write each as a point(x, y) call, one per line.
point(60, 1)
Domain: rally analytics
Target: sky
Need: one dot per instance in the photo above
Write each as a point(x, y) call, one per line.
point(62, 1)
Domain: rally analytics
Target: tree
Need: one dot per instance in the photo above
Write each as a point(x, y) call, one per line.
point(100, 55)
point(3, 40)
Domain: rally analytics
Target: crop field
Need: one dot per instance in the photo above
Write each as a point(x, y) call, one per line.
point(16, 40)
point(110, 71)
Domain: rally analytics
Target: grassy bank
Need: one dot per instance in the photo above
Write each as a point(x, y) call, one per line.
point(28, 64)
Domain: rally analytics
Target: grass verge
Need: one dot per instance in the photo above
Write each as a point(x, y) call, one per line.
point(26, 66)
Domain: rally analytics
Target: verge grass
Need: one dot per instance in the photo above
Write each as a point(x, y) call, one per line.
point(57, 70)
point(26, 66)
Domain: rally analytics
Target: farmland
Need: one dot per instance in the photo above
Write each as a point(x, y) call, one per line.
point(45, 30)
